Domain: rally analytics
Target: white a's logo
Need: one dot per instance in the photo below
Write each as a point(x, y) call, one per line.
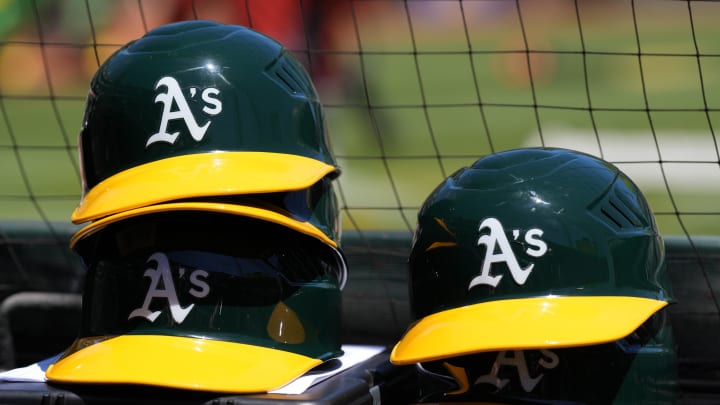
point(161, 275)
point(548, 361)
point(498, 250)
point(174, 98)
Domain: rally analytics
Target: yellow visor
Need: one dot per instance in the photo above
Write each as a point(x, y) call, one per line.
point(253, 212)
point(522, 324)
point(181, 362)
point(199, 175)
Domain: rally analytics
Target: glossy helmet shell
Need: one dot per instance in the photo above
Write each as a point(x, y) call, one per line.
point(212, 235)
point(198, 109)
point(532, 248)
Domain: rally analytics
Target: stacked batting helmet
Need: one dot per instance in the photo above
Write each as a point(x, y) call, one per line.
point(538, 249)
point(213, 226)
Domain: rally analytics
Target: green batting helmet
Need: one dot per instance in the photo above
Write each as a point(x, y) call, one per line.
point(199, 109)
point(212, 245)
point(538, 275)
point(532, 248)
point(205, 301)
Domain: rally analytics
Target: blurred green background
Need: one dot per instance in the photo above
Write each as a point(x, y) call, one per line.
point(413, 91)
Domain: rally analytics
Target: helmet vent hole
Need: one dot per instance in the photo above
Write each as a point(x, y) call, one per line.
point(618, 212)
point(287, 77)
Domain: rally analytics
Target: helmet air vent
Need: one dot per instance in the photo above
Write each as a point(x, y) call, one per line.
point(286, 75)
point(618, 211)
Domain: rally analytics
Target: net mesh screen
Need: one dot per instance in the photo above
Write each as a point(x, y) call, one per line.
point(413, 90)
